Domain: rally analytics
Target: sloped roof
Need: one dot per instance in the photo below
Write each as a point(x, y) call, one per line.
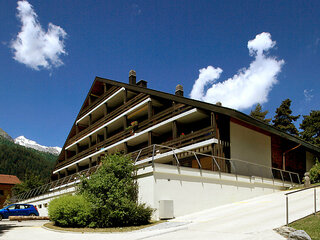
point(9, 179)
point(215, 108)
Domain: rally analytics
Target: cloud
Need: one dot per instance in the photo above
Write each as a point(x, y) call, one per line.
point(308, 94)
point(33, 46)
point(246, 88)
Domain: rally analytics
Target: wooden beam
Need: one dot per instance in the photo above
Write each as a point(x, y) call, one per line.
point(90, 141)
point(214, 123)
point(174, 130)
point(77, 128)
point(105, 109)
point(105, 133)
point(90, 162)
point(65, 154)
point(125, 122)
point(104, 87)
point(90, 120)
point(150, 112)
point(125, 147)
point(77, 148)
point(125, 96)
point(150, 138)
point(77, 167)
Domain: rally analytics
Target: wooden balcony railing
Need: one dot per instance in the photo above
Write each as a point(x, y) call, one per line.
point(107, 94)
point(162, 116)
point(134, 101)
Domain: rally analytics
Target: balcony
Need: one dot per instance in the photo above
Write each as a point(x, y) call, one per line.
point(141, 129)
point(98, 124)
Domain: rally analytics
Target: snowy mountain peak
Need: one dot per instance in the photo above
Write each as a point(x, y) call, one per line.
point(23, 141)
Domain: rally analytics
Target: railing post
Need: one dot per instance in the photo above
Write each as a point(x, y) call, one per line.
point(315, 201)
point(291, 179)
point(287, 211)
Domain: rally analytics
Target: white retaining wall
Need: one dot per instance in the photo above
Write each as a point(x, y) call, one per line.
point(190, 189)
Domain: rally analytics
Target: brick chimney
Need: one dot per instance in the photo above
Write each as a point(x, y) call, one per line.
point(179, 90)
point(132, 77)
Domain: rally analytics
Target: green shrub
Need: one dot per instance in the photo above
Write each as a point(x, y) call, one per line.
point(113, 194)
point(69, 211)
point(315, 173)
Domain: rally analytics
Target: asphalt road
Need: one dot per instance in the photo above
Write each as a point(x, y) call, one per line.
point(245, 220)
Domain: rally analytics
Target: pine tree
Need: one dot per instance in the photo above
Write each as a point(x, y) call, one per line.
point(283, 118)
point(311, 128)
point(258, 114)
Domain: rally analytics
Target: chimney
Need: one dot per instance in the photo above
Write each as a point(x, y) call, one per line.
point(179, 90)
point(132, 77)
point(142, 83)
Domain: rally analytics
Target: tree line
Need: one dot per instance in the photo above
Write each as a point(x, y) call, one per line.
point(284, 120)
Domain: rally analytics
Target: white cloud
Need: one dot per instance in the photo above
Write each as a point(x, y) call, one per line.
point(308, 94)
point(33, 46)
point(246, 88)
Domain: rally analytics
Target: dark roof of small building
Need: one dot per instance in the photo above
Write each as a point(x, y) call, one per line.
point(9, 179)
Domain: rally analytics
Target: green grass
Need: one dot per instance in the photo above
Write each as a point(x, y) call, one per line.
point(99, 230)
point(310, 224)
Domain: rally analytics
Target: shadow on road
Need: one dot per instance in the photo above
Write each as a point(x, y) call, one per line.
point(6, 227)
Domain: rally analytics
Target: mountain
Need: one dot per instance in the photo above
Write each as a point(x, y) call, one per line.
point(22, 161)
point(32, 144)
point(5, 135)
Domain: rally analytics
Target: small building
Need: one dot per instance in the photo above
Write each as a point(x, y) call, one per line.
point(6, 184)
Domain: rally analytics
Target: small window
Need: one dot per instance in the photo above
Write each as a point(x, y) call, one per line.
point(12, 207)
point(26, 206)
point(39, 206)
point(17, 207)
point(46, 205)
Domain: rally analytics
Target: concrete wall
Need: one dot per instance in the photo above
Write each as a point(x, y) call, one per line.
point(310, 160)
point(193, 190)
point(250, 146)
point(190, 189)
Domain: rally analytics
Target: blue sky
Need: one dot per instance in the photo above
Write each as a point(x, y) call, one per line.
point(166, 42)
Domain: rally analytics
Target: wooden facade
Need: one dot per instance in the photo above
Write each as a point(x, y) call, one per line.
point(119, 117)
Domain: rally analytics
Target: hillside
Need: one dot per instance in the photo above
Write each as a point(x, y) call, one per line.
point(18, 160)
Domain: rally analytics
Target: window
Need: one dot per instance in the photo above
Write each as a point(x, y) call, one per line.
point(12, 207)
point(45, 205)
point(1, 193)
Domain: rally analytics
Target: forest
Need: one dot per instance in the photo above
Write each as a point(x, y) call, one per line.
point(25, 162)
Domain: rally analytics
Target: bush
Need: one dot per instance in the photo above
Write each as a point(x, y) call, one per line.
point(69, 211)
point(113, 194)
point(315, 173)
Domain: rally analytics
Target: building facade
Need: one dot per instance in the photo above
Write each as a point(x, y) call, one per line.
point(190, 154)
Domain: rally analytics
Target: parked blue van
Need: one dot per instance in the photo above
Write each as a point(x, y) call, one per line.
point(18, 210)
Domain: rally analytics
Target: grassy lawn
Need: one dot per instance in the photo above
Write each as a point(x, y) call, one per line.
point(93, 230)
point(310, 224)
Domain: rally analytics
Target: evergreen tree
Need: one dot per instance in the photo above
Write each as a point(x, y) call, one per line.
point(311, 128)
point(258, 114)
point(283, 118)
